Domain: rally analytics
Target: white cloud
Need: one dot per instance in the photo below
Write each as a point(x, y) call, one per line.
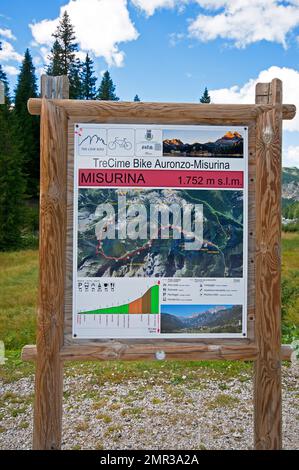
point(291, 156)
point(37, 61)
point(44, 52)
point(10, 70)
point(7, 33)
point(175, 38)
point(246, 22)
point(100, 26)
point(42, 31)
point(8, 53)
point(246, 92)
point(81, 55)
point(150, 6)
point(241, 21)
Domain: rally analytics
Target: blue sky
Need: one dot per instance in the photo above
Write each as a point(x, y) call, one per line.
point(169, 50)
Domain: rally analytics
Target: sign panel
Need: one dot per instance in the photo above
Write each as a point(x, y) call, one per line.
point(160, 231)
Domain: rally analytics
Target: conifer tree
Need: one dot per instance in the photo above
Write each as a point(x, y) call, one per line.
point(11, 183)
point(55, 67)
point(106, 89)
point(205, 97)
point(76, 90)
point(88, 80)
point(62, 58)
point(27, 126)
point(136, 98)
point(3, 79)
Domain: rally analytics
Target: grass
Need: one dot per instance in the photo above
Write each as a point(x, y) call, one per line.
point(290, 252)
point(104, 417)
point(223, 401)
point(290, 286)
point(18, 295)
point(81, 426)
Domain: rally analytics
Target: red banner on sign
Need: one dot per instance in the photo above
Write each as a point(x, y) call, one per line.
point(161, 179)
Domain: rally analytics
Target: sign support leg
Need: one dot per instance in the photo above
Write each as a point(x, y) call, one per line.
point(49, 369)
point(267, 381)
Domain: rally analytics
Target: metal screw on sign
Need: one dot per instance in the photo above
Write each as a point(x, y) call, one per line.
point(160, 355)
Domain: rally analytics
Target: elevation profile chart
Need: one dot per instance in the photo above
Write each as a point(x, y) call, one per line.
point(148, 303)
point(139, 315)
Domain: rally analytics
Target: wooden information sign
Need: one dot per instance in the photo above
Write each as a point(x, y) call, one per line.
point(72, 131)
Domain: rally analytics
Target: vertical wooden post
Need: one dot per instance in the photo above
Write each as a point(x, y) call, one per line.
point(49, 369)
point(267, 382)
point(55, 87)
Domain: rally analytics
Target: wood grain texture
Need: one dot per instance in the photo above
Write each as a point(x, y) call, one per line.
point(267, 382)
point(55, 87)
point(48, 378)
point(174, 113)
point(91, 353)
point(251, 231)
point(118, 350)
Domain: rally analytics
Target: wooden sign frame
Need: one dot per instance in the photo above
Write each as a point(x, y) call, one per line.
point(54, 340)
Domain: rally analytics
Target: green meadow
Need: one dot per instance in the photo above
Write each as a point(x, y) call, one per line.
point(18, 299)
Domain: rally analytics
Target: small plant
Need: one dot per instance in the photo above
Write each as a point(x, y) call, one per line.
point(82, 426)
point(113, 429)
point(23, 425)
point(157, 401)
point(222, 400)
point(295, 348)
point(104, 417)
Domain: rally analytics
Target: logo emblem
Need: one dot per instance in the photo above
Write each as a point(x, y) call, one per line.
point(149, 135)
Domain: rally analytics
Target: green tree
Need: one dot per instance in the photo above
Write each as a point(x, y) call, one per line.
point(12, 183)
point(3, 79)
point(136, 98)
point(205, 97)
point(106, 89)
point(55, 66)
point(88, 80)
point(27, 126)
point(76, 90)
point(62, 58)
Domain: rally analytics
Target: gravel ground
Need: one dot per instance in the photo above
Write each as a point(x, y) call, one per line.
point(150, 412)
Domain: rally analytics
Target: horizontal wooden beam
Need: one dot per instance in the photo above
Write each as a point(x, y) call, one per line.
point(120, 351)
point(181, 113)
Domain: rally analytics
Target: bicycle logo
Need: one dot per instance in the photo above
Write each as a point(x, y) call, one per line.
point(121, 143)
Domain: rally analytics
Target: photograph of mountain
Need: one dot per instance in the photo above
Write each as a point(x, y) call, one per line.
point(189, 143)
point(201, 319)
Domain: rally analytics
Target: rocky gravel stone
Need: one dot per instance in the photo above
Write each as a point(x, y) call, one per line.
point(149, 414)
